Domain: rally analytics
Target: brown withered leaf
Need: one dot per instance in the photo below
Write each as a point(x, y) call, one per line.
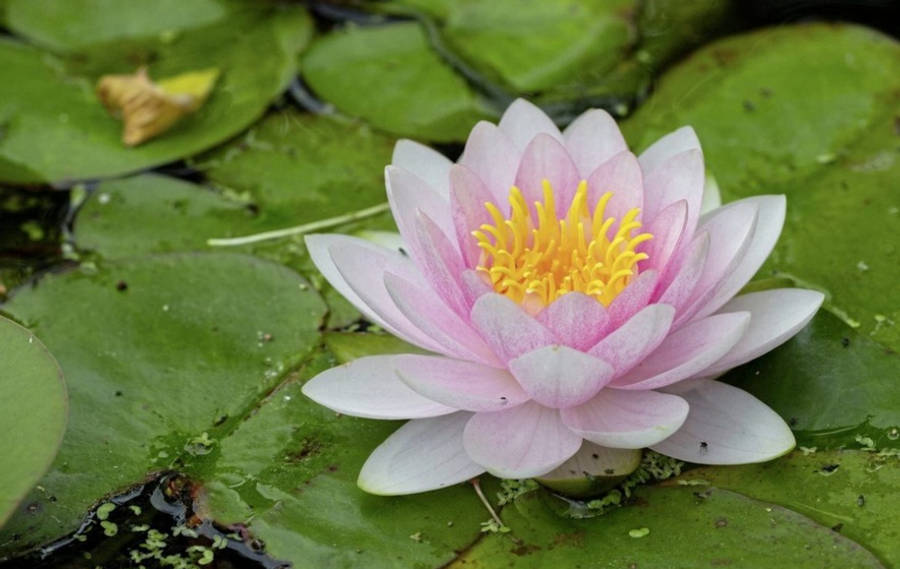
point(148, 109)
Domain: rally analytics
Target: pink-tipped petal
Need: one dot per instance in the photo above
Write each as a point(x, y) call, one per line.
point(681, 177)
point(726, 426)
point(592, 139)
point(627, 419)
point(523, 120)
point(422, 455)
point(428, 312)
point(627, 345)
point(668, 228)
point(775, 316)
point(429, 165)
point(494, 158)
point(730, 230)
point(670, 145)
point(633, 298)
point(558, 376)
point(577, 319)
point(370, 387)
point(770, 220)
point(407, 194)
point(687, 352)
point(468, 196)
point(678, 291)
point(522, 442)
point(545, 158)
point(441, 263)
point(622, 176)
point(460, 384)
point(507, 329)
point(374, 303)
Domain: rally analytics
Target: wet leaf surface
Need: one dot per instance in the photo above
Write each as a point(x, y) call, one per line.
point(33, 411)
point(47, 104)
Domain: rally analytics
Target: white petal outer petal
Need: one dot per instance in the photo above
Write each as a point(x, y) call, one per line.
point(408, 194)
point(523, 120)
point(712, 199)
point(522, 442)
point(726, 425)
point(775, 316)
point(508, 329)
point(362, 269)
point(770, 220)
point(627, 345)
point(319, 247)
point(592, 139)
point(370, 387)
point(675, 142)
point(558, 376)
point(429, 165)
point(460, 384)
point(422, 455)
point(428, 312)
point(627, 419)
point(686, 352)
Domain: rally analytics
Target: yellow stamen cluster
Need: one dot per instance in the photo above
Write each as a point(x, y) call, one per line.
point(535, 263)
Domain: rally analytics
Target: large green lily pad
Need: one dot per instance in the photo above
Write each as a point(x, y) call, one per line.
point(390, 76)
point(156, 352)
point(853, 492)
point(33, 411)
point(674, 527)
point(54, 129)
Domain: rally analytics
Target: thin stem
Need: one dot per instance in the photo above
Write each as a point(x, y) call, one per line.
point(300, 229)
point(475, 484)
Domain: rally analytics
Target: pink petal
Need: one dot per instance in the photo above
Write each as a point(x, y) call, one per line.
point(460, 384)
point(730, 230)
point(494, 158)
point(668, 229)
point(545, 158)
point(422, 455)
point(627, 419)
point(726, 426)
point(679, 178)
point(687, 352)
point(369, 387)
point(428, 312)
point(678, 292)
point(368, 261)
point(775, 316)
point(429, 165)
point(468, 196)
point(558, 376)
point(662, 150)
point(622, 176)
point(765, 234)
point(475, 285)
point(577, 319)
point(523, 120)
point(441, 263)
point(592, 139)
point(633, 297)
point(624, 347)
point(507, 328)
point(522, 442)
point(407, 194)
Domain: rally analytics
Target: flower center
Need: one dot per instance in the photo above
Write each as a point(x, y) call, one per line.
point(534, 263)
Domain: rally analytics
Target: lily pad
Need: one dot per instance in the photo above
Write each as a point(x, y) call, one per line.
point(807, 111)
point(48, 108)
point(157, 352)
point(33, 410)
point(852, 492)
point(674, 527)
point(391, 77)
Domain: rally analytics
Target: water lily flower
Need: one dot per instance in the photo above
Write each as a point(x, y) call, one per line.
point(570, 291)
